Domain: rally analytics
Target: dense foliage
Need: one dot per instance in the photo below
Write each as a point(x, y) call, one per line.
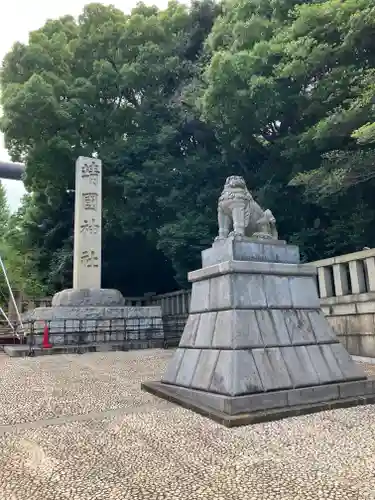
point(173, 101)
point(4, 217)
point(16, 254)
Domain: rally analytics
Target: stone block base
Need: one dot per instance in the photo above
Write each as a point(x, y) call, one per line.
point(77, 325)
point(250, 249)
point(23, 351)
point(88, 297)
point(255, 408)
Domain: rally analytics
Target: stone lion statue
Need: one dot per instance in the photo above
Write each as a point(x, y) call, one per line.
point(240, 215)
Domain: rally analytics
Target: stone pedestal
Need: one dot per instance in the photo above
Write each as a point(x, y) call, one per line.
point(88, 297)
point(71, 325)
point(93, 316)
point(256, 344)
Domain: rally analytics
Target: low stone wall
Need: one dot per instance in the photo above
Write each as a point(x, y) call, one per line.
point(72, 325)
point(347, 297)
point(353, 319)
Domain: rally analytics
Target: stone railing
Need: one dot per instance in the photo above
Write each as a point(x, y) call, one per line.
point(347, 295)
point(172, 304)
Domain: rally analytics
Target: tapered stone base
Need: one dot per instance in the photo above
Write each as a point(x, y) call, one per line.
point(255, 408)
point(256, 339)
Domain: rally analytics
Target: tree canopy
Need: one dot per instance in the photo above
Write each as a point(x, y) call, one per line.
point(173, 101)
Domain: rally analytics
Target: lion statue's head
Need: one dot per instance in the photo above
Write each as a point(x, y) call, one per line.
point(235, 182)
point(235, 188)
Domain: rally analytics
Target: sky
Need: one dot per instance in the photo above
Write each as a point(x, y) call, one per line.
point(17, 19)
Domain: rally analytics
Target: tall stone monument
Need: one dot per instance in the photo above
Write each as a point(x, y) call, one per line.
point(87, 256)
point(256, 345)
point(87, 224)
point(87, 306)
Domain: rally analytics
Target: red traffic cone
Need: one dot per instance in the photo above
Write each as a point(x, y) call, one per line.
point(45, 343)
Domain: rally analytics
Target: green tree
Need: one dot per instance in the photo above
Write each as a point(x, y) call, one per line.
point(4, 219)
point(17, 256)
point(4, 209)
point(109, 85)
point(293, 80)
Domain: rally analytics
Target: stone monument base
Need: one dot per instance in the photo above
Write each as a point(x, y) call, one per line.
point(93, 316)
point(263, 407)
point(256, 344)
point(104, 297)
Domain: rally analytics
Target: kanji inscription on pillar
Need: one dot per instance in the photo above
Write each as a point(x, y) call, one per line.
point(87, 224)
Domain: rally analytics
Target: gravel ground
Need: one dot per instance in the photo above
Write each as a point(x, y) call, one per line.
point(79, 428)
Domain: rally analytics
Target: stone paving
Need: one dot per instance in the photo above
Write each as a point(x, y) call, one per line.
point(78, 427)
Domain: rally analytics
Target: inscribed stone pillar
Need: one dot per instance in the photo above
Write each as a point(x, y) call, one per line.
point(87, 224)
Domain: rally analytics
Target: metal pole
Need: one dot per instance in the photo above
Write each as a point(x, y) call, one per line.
point(6, 317)
point(11, 293)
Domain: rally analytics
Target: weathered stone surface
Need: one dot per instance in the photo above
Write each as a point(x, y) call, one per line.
point(236, 329)
point(235, 373)
point(262, 268)
point(277, 291)
point(331, 361)
point(187, 367)
point(222, 377)
point(249, 250)
point(355, 388)
point(321, 328)
point(245, 330)
point(87, 248)
point(281, 329)
point(72, 325)
point(299, 327)
point(282, 253)
point(257, 402)
point(205, 330)
point(220, 292)
point(248, 291)
point(245, 378)
point(88, 297)
point(223, 330)
point(349, 369)
point(267, 328)
point(340, 279)
point(272, 369)
point(24, 351)
point(200, 296)
point(313, 394)
point(299, 366)
point(190, 331)
point(173, 367)
point(361, 324)
point(93, 313)
point(325, 373)
point(205, 369)
point(304, 292)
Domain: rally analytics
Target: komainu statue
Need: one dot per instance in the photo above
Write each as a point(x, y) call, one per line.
point(240, 215)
